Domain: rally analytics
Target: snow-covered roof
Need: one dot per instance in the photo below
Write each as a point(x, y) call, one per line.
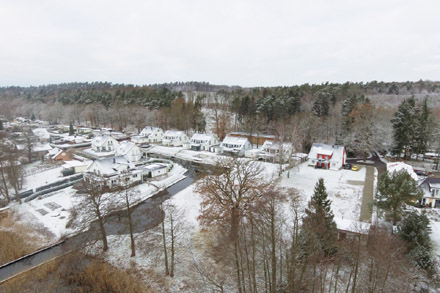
point(398, 166)
point(352, 225)
point(124, 148)
point(234, 140)
point(111, 166)
point(336, 151)
point(173, 133)
point(42, 133)
point(153, 167)
point(75, 163)
point(101, 140)
point(148, 130)
point(271, 145)
point(428, 184)
point(201, 137)
point(40, 147)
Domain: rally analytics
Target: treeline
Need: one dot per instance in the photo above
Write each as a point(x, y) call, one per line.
point(268, 99)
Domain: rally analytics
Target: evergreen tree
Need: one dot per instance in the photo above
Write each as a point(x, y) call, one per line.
point(321, 105)
point(33, 117)
point(422, 129)
point(404, 127)
point(71, 130)
point(394, 190)
point(1, 125)
point(319, 232)
point(415, 230)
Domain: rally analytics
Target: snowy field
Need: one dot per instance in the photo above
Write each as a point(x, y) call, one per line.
point(52, 210)
point(42, 178)
point(344, 187)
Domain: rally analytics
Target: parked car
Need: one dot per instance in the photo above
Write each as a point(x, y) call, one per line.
point(347, 166)
point(421, 173)
point(355, 168)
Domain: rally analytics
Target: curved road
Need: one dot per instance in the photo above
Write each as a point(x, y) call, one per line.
point(145, 215)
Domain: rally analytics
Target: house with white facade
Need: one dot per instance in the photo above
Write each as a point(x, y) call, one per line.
point(327, 156)
point(154, 170)
point(174, 138)
point(148, 135)
point(104, 143)
point(111, 172)
point(129, 150)
point(202, 142)
point(235, 145)
point(431, 192)
point(275, 151)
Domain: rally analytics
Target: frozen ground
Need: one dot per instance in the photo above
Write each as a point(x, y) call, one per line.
point(52, 211)
point(37, 179)
point(345, 191)
point(344, 187)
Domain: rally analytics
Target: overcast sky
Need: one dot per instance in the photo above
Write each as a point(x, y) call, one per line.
point(247, 43)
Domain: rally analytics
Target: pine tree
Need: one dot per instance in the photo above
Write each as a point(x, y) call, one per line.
point(404, 127)
point(1, 125)
point(71, 130)
point(321, 105)
point(394, 190)
point(415, 230)
point(319, 230)
point(422, 129)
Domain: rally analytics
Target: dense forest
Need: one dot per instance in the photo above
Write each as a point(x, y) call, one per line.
point(358, 115)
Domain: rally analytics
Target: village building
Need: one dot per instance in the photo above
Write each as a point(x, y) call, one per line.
point(202, 142)
point(42, 134)
point(104, 144)
point(174, 138)
point(431, 192)
point(111, 172)
point(58, 155)
point(129, 150)
point(154, 170)
point(327, 156)
point(275, 151)
point(148, 135)
point(236, 146)
point(75, 167)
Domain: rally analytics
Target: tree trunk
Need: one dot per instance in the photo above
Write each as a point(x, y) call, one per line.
point(172, 245)
point(130, 224)
point(167, 272)
point(102, 228)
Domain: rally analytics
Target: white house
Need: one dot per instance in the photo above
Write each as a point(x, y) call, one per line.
point(76, 166)
point(129, 150)
point(270, 151)
point(431, 192)
point(174, 138)
point(154, 170)
point(112, 172)
point(104, 143)
point(202, 142)
point(235, 145)
point(327, 156)
point(148, 134)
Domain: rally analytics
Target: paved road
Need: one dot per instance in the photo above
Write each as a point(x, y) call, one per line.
point(368, 195)
point(145, 215)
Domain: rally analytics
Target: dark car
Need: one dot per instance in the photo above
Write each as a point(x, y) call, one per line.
point(347, 166)
point(421, 173)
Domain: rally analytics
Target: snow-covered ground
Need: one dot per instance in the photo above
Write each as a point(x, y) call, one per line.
point(344, 187)
point(37, 179)
point(188, 155)
point(52, 211)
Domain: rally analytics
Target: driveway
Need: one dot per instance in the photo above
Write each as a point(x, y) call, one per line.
point(368, 195)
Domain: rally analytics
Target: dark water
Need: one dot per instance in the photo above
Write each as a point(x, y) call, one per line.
point(145, 216)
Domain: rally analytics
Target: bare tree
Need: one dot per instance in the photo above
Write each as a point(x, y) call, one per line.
point(227, 199)
point(94, 202)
